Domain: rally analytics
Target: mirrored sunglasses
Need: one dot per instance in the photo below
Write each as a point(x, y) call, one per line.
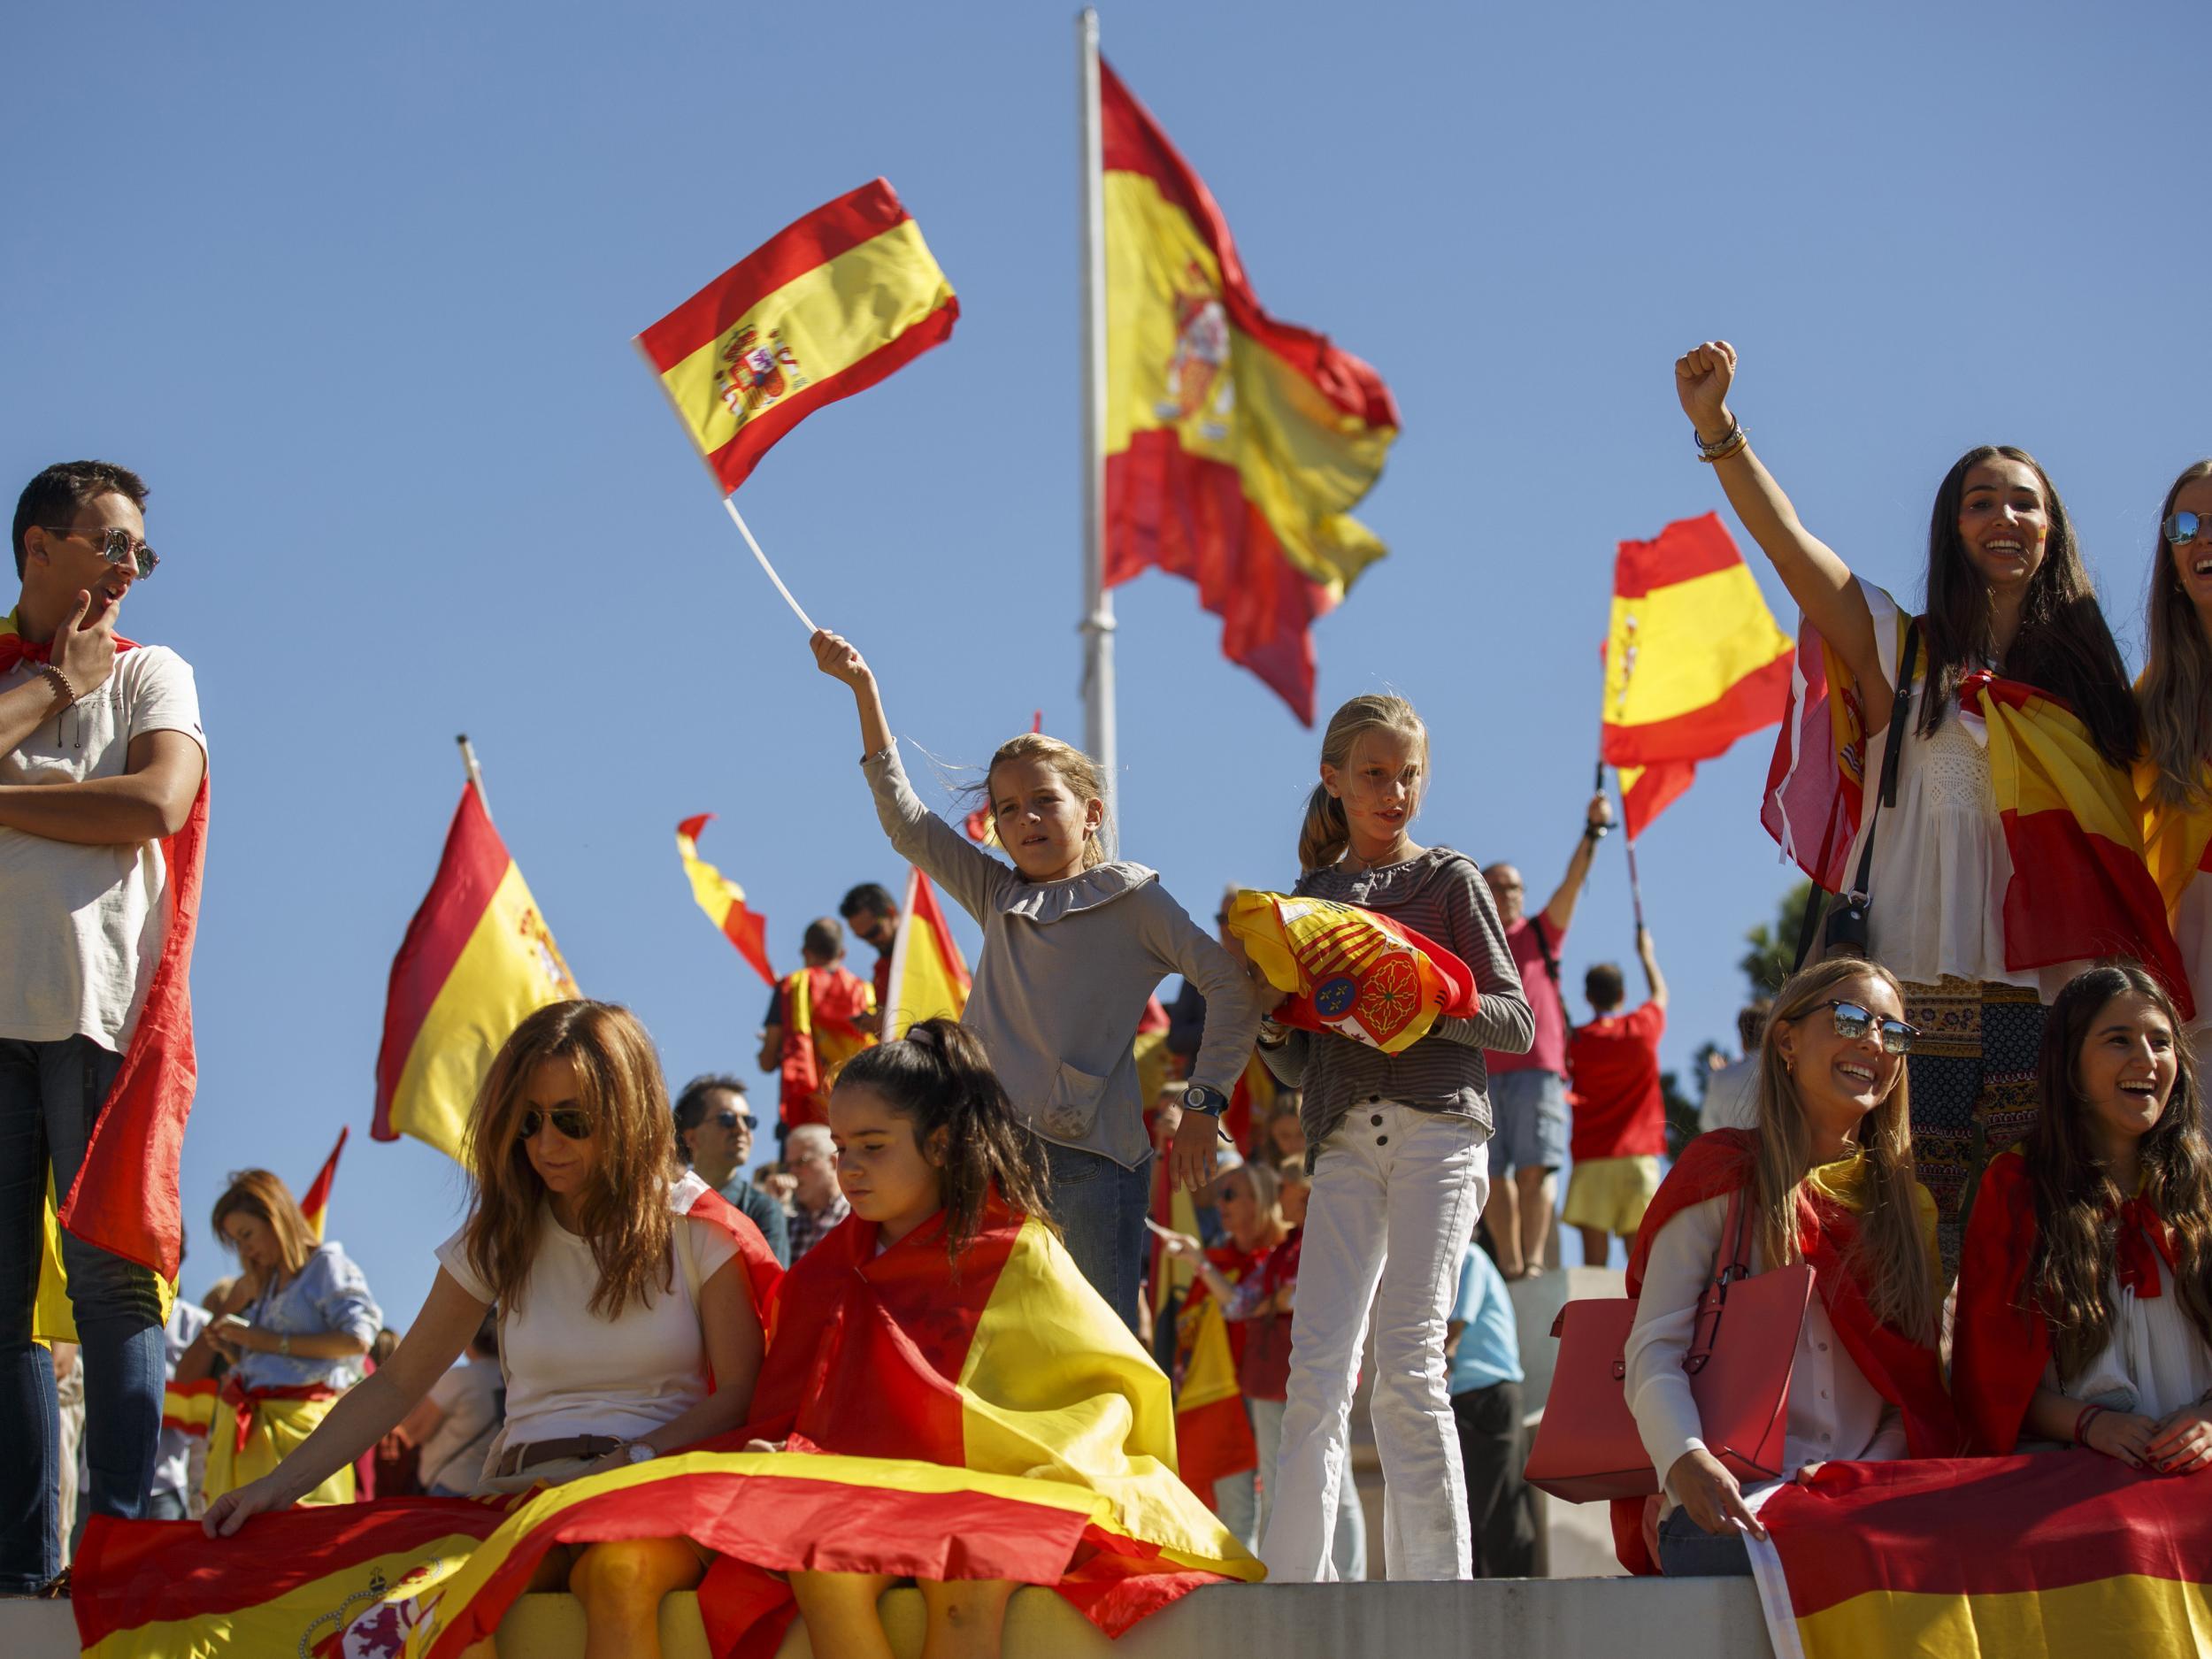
point(117, 545)
point(1851, 1023)
point(2184, 527)
point(570, 1122)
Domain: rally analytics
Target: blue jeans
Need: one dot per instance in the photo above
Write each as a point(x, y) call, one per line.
point(1101, 1209)
point(50, 1095)
point(1686, 1550)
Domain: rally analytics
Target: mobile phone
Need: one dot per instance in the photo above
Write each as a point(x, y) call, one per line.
point(234, 1322)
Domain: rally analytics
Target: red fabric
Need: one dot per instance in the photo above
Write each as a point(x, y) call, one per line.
point(125, 1197)
point(1999, 1343)
point(1264, 1371)
point(1619, 1110)
point(1549, 1052)
point(837, 1000)
point(764, 1274)
point(1906, 1373)
point(1659, 785)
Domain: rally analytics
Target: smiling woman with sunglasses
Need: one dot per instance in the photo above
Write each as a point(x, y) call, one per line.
point(629, 1295)
point(1825, 1178)
point(2175, 777)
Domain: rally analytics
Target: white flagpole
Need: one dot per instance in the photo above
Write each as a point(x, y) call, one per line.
point(1097, 626)
point(888, 1017)
point(745, 530)
point(476, 772)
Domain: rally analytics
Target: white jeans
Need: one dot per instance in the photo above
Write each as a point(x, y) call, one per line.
point(1397, 1189)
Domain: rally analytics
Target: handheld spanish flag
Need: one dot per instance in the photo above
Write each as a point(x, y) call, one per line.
point(1236, 445)
point(723, 899)
point(1350, 971)
point(928, 978)
point(476, 960)
point(1694, 661)
point(316, 1205)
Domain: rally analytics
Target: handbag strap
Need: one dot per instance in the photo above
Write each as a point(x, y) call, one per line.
point(1731, 1264)
point(1900, 714)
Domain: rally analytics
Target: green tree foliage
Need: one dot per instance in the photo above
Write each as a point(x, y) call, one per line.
point(1774, 946)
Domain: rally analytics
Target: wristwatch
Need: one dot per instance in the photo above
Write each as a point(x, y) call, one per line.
point(1200, 1097)
point(639, 1452)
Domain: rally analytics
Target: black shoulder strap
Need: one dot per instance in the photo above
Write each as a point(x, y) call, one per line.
point(1899, 714)
point(1543, 944)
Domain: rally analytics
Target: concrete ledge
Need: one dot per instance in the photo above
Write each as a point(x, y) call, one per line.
point(1529, 1618)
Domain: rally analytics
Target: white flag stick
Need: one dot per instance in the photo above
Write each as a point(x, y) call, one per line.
point(738, 520)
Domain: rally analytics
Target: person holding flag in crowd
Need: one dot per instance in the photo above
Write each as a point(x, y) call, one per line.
point(103, 836)
point(1074, 944)
point(294, 1329)
point(819, 1016)
point(2012, 847)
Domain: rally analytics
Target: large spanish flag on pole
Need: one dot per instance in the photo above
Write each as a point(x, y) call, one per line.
point(723, 899)
point(827, 307)
point(928, 978)
point(1236, 445)
point(1693, 660)
point(2047, 1557)
point(476, 960)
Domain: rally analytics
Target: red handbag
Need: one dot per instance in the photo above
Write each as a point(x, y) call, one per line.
point(1587, 1445)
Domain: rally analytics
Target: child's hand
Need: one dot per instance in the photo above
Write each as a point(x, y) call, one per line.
point(839, 658)
point(1702, 376)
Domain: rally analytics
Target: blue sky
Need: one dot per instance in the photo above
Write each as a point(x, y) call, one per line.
point(355, 289)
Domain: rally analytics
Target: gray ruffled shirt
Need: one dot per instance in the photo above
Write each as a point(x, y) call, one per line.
point(1066, 969)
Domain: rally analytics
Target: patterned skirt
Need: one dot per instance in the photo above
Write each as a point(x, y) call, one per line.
point(1974, 1090)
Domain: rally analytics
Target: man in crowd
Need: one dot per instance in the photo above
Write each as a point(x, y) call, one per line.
point(872, 914)
point(817, 1204)
point(1732, 1093)
point(102, 757)
point(1528, 1092)
point(1620, 1111)
point(714, 1131)
point(818, 1017)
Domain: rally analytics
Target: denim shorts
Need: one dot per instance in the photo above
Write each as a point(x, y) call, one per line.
point(1529, 1110)
point(1686, 1550)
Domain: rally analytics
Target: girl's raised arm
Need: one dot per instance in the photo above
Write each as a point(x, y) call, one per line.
point(1817, 578)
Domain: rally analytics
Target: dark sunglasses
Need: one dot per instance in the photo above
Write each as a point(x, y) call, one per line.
point(728, 1119)
point(570, 1122)
point(117, 545)
point(1851, 1023)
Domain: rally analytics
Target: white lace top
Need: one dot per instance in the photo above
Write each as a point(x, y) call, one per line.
point(2156, 1361)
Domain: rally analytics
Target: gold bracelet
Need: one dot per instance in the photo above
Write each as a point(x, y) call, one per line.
point(1733, 443)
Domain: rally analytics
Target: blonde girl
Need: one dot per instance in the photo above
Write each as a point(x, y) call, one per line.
point(1074, 944)
point(1398, 1149)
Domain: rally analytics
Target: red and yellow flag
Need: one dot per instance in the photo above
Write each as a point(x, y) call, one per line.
point(1348, 970)
point(826, 308)
point(1694, 661)
point(1213, 1433)
point(476, 960)
point(316, 1205)
point(825, 1019)
point(723, 899)
point(2044, 1556)
point(928, 978)
point(1236, 445)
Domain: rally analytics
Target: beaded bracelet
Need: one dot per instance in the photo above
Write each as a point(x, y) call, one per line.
point(1733, 441)
point(2089, 1414)
point(47, 671)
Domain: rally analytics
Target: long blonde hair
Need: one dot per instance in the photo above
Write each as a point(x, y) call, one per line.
point(262, 1194)
point(1076, 769)
point(2174, 692)
point(625, 1212)
point(1326, 832)
point(1890, 1255)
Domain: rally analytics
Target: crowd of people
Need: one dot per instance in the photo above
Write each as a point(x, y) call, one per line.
point(1992, 1154)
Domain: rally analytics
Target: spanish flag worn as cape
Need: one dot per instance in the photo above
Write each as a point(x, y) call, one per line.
point(822, 1012)
point(1905, 1372)
point(2073, 826)
point(125, 1197)
point(417, 1575)
point(2177, 840)
point(1999, 1343)
point(2049, 1557)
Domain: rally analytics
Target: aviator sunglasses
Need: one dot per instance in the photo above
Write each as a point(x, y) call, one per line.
point(1851, 1023)
point(2185, 526)
point(117, 545)
point(570, 1122)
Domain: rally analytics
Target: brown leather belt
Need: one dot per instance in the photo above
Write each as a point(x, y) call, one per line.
point(515, 1459)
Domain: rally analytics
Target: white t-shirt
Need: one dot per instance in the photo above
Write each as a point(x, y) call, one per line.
point(81, 927)
point(1732, 1096)
point(571, 1371)
point(453, 1457)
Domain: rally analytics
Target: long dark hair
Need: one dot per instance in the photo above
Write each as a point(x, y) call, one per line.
point(2176, 690)
point(938, 1076)
point(2077, 1203)
point(2063, 647)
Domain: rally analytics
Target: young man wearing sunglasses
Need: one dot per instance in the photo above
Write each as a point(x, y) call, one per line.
point(714, 1131)
point(101, 758)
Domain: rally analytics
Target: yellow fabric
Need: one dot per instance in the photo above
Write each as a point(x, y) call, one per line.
point(509, 968)
point(279, 1427)
point(1678, 649)
point(2174, 837)
point(826, 319)
point(1057, 1389)
point(1300, 459)
point(1611, 1194)
point(2131, 1613)
point(715, 893)
point(1300, 944)
point(2041, 760)
point(1849, 1179)
point(52, 1318)
point(1212, 1374)
point(928, 979)
point(1176, 1274)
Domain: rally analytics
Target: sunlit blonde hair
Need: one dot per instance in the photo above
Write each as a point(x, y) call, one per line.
point(1076, 769)
point(1890, 1255)
point(623, 1212)
point(1267, 1194)
point(1326, 832)
point(261, 1195)
point(2174, 692)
